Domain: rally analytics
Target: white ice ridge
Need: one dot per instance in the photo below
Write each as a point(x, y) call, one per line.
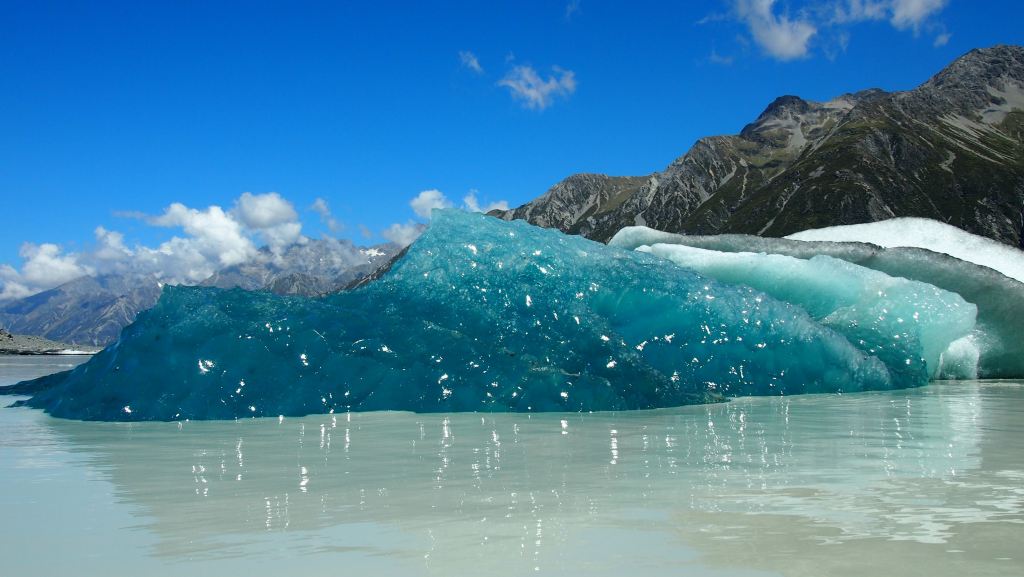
point(633, 237)
point(890, 317)
point(929, 234)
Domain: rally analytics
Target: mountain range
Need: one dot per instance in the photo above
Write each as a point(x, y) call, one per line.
point(93, 310)
point(951, 150)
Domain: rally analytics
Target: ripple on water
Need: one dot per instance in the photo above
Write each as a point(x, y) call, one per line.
point(813, 485)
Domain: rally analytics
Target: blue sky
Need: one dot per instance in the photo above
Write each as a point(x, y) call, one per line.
point(111, 112)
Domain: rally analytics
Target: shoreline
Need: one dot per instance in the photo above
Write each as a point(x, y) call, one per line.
point(55, 353)
point(11, 344)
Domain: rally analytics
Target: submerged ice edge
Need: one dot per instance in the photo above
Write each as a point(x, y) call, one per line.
point(480, 315)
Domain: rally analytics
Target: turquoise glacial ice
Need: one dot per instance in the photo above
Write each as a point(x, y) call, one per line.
point(907, 324)
point(994, 349)
point(480, 315)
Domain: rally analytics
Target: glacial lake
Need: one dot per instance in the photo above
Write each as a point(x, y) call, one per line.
point(923, 482)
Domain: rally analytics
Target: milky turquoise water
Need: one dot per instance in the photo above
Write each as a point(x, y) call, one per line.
point(925, 481)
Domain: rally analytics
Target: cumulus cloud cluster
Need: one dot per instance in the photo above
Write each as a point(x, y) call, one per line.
point(273, 218)
point(213, 238)
point(787, 35)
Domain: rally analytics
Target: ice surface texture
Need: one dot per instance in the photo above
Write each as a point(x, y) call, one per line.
point(480, 314)
point(905, 323)
point(1000, 299)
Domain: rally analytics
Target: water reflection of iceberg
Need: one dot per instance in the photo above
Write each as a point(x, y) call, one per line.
point(510, 490)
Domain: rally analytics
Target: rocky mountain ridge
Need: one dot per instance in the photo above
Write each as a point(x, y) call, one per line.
point(950, 150)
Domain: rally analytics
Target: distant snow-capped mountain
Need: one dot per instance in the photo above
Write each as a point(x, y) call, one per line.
point(310, 269)
point(93, 310)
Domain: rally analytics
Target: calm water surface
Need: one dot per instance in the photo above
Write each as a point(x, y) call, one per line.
point(926, 482)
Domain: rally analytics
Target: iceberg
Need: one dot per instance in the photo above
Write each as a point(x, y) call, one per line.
point(995, 345)
point(907, 324)
point(479, 315)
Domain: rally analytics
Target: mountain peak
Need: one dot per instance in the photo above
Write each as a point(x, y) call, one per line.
point(981, 67)
point(983, 85)
point(999, 52)
point(785, 105)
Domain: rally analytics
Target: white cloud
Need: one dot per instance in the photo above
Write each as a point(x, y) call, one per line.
point(282, 236)
point(177, 261)
point(272, 217)
point(470, 61)
point(422, 204)
point(110, 245)
point(13, 285)
point(785, 37)
point(402, 234)
point(470, 203)
point(778, 35)
point(110, 254)
point(836, 45)
point(942, 39)
point(538, 93)
point(428, 200)
point(912, 13)
point(217, 239)
point(213, 233)
point(44, 266)
point(902, 14)
point(320, 207)
point(260, 211)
